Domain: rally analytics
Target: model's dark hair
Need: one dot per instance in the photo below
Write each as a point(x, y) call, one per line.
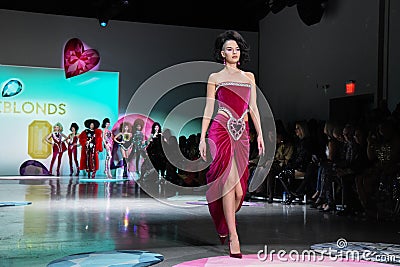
point(106, 120)
point(153, 127)
point(235, 36)
point(75, 126)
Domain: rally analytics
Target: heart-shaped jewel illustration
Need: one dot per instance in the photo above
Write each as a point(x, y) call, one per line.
point(77, 60)
point(236, 127)
point(11, 88)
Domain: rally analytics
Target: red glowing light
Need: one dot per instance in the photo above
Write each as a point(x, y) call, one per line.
point(350, 87)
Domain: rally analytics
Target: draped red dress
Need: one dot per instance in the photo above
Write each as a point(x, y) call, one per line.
point(228, 139)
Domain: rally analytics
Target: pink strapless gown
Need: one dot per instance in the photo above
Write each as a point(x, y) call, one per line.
point(225, 149)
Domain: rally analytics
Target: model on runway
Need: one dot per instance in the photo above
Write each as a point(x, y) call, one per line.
point(108, 140)
point(91, 141)
point(57, 140)
point(228, 135)
point(125, 140)
point(72, 142)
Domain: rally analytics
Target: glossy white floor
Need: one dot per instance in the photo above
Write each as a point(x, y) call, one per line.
point(68, 217)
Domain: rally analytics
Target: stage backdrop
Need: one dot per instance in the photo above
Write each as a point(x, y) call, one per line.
point(34, 99)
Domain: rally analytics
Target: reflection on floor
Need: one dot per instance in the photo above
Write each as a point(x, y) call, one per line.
point(68, 217)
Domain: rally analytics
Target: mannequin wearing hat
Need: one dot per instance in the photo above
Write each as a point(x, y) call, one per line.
point(91, 141)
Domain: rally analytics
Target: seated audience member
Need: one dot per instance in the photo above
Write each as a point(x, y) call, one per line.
point(283, 153)
point(318, 143)
point(383, 151)
point(298, 163)
point(346, 170)
point(323, 192)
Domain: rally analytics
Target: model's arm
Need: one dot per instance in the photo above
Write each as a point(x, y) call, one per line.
point(104, 138)
point(77, 136)
point(48, 139)
point(208, 112)
point(64, 136)
point(255, 115)
point(116, 138)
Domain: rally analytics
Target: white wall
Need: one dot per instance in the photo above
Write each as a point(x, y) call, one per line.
point(295, 58)
point(136, 50)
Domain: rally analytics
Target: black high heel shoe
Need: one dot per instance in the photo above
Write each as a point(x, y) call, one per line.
point(234, 255)
point(290, 199)
point(317, 203)
point(329, 208)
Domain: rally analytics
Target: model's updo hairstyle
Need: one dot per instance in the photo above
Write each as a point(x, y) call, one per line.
point(235, 36)
point(74, 125)
point(105, 121)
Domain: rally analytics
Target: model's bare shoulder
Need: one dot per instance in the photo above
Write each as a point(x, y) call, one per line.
point(213, 78)
point(250, 75)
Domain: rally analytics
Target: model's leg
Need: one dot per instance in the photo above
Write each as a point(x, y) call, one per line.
point(95, 158)
point(55, 152)
point(137, 158)
point(142, 154)
point(238, 196)
point(108, 163)
point(71, 165)
point(128, 158)
point(231, 202)
point(60, 154)
point(125, 162)
point(89, 161)
point(75, 155)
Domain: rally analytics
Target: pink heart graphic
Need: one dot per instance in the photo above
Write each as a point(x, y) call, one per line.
point(77, 60)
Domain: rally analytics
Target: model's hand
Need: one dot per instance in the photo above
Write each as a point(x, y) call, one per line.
point(203, 149)
point(261, 148)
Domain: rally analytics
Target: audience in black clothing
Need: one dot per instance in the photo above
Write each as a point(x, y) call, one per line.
point(283, 153)
point(298, 164)
point(383, 151)
point(360, 159)
point(346, 168)
point(325, 174)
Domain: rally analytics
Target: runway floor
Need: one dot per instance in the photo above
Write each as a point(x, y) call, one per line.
point(67, 217)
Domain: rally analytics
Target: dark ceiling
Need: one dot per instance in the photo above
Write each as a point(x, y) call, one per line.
point(233, 14)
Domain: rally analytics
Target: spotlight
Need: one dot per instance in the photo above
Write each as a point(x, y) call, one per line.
point(103, 22)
